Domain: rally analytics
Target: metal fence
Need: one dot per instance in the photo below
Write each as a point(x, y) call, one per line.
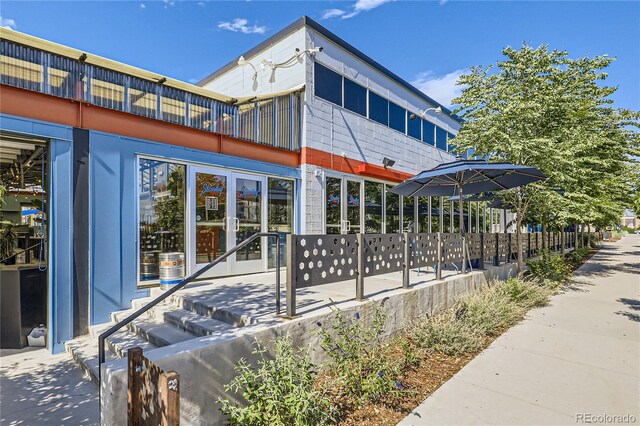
point(274, 121)
point(322, 259)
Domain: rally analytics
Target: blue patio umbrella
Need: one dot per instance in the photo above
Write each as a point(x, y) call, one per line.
point(467, 177)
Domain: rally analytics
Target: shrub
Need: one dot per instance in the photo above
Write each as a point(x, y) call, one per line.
point(576, 256)
point(488, 313)
point(360, 366)
point(445, 334)
point(549, 267)
point(526, 294)
point(280, 391)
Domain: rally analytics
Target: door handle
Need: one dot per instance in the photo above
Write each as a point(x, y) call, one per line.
point(236, 222)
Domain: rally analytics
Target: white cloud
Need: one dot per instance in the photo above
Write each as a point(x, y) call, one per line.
point(241, 25)
point(443, 2)
point(358, 6)
point(201, 3)
point(332, 13)
point(441, 88)
point(8, 23)
point(143, 6)
point(168, 3)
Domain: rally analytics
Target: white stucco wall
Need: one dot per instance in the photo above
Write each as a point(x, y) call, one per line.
point(238, 81)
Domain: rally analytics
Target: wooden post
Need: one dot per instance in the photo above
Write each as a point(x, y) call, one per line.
point(291, 276)
point(509, 251)
point(360, 256)
point(134, 404)
point(496, 259)
point(169, 384)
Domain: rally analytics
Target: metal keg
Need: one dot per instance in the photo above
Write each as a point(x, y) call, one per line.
point(149, 268)
point(171, 269)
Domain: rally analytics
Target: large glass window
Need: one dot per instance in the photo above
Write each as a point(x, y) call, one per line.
point(413, 126)
point(328, 84)
point(353, 206)
point(333, 205)
point(280, 215)
point(451, 144)
point(161, 194)
point(408, 214)
point(393, 211)
point(373, 207)
point(441, 138)
point(355, 97)
point(378, 109)
point(397, 117)
point(423, 215)
point(428, 132)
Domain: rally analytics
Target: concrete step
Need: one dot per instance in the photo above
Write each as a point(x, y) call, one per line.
point(202, 305)
point(157, 331)
point(193, 323)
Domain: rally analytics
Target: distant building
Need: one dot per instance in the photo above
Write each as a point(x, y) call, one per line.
point(629, 219)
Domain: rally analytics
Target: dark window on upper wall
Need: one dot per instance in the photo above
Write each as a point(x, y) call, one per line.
point(397, 117)
point(451, 143)
point(428, 132)
point(328, 84)
point(441, 138)
point(413, 126)
point(355, 97)
point(378, 109)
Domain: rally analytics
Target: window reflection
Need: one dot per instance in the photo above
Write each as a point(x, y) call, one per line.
point(393, 211)
point(373, 207)
point(280, 215)
point(161, 204)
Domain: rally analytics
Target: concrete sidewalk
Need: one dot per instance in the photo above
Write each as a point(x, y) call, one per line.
point(580, 356)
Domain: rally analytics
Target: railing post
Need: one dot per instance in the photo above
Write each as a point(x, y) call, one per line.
point(278, 275)
point(360, 274)
point(509, 251)
point(528, 244)
point(439, 254)
point(406, 272)
point(481, 261)
point(562, 241)
point(463, 269)
point(291, 276)
point(496, 259)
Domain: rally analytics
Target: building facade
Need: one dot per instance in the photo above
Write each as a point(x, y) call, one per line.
point(303, 133)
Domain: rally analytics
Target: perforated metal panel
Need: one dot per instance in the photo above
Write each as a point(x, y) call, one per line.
point(423, 249)
point(473, 244)
point(323, 259)
point(383, 253)
point(489, 246)
point(452, 247)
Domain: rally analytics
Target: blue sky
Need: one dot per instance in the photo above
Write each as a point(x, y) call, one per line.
point(428, 43)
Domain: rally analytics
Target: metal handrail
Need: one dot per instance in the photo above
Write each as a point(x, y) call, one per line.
point(183, 283)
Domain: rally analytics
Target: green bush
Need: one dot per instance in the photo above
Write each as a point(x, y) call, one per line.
point(359, 366)
point(576, 256)
point(280, 391)
point(526, 294)
point(549, 268)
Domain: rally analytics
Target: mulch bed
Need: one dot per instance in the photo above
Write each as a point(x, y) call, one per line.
point(419, 383)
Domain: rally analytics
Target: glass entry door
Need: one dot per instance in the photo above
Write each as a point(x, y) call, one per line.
point(225, 209)
point(343, 214)
point(248, 219)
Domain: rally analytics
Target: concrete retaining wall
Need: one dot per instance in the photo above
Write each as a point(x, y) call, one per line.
point(206, 364)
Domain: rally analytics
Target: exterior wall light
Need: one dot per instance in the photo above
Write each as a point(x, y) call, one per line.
point(437, 110)
point(388, 162)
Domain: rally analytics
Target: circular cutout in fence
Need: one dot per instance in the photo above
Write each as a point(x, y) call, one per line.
point(303, 242)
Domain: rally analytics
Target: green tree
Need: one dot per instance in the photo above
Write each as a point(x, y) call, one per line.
point(541, 108)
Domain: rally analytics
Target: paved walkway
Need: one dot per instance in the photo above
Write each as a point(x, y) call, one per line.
point(37, 388)
point(579, 356)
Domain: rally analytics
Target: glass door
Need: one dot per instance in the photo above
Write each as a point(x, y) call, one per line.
point(225, 209)
point(333, 205)
point(248, 218)
point(353, 211)
point(209, 219)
